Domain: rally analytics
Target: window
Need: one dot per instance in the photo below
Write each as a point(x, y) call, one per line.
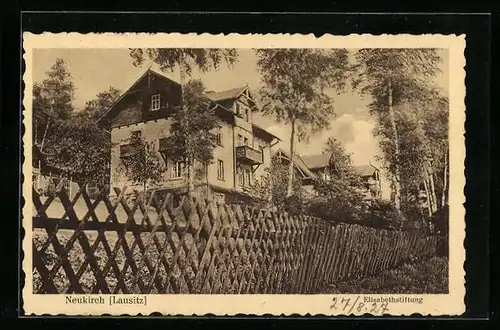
point(241, 177)
point(248, 176)
point(240, 140)
point(219, 136)
point(238, 109)
point(245, 141)
point(155, 102)
point(248, 113)
point(220, 169)
point(178, 169)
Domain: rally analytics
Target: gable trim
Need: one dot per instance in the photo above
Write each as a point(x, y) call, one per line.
point(127, 92)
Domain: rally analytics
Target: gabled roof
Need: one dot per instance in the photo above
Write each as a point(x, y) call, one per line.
point(297, 160)
point(365, 170)
point(145, 74)
point(229, 94)
point(317, 161)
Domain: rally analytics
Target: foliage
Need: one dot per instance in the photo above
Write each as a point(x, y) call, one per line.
point(382, 214)
point(95, 108)
point(337, 200)
point(142, 165)
point(52, 100)
point(428, 276)
point(296, 82)
point(342, 159)
point(273, 185)
point(170, 58)
point(394, 77)
point(191, 131)
point(81, 149)
point(423, 144)
point(441, 220)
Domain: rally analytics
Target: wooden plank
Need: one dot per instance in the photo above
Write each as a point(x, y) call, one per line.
point(339, 252)
point(332, 240)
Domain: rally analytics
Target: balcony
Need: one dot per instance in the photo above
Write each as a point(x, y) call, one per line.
point(248, 155)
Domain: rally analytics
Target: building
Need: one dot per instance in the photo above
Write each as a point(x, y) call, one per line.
point(302, 171)
point(45, 176)
point(243, 148)
point(322, 167)
point(370, 177)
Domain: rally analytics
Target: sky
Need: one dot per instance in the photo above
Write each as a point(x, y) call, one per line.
point(95, 70)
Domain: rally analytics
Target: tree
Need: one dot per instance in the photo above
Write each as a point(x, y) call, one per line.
point(191, 132)
point(423, 125)
point(389, 76)
point(52, 101)
point(82, 150)
point(186, 59)
point(142, 164)
point(295, 89)
point(95, 108)
point(79, 146)
point(271, 188)
point(342, 159)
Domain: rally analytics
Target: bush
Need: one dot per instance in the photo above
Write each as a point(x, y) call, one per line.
point(382, 214)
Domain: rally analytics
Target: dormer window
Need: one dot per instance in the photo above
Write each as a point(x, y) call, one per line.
point(155, 102)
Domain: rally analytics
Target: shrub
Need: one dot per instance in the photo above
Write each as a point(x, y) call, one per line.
point(382, 214)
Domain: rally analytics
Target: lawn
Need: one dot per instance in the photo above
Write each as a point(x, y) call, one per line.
point(428, 276)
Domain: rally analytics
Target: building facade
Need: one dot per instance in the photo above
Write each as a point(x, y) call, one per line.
point(242, 152)
point(311, 168)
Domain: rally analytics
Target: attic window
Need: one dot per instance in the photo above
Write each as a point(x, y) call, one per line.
point(155, 102)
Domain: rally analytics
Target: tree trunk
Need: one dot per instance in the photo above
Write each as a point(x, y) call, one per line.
point(190, 176)
point(289, 189)
point(397, 175)
point(428, 195)
point(445, 180)
point(432, 189)
point(44, 135)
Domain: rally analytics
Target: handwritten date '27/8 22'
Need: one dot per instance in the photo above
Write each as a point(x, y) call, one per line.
point(350, 305)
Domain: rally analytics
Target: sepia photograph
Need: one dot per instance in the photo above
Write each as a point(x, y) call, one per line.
point(240, 171)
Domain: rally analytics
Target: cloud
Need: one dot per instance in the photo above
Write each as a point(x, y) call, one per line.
point(355, 134)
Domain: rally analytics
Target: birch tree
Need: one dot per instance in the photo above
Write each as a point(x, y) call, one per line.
point(389, 76)
point(186, 60)
point(52, 101)
point(297, 88)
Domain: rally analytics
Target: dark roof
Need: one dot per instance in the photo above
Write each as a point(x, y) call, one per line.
point(365, 170)
point(229, 94)
point(298, 162)
point(149, 70)
point(256, 128)
point(317, 161)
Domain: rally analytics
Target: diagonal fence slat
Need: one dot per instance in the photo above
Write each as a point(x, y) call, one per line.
point(146, 245)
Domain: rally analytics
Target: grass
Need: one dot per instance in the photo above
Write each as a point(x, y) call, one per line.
point(428, 276)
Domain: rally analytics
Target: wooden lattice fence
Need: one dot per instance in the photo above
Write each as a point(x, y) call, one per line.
point(151, 245)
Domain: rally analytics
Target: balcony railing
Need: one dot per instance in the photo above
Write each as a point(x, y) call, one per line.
point(248, 155)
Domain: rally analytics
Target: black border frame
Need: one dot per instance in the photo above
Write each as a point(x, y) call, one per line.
point(476, 27)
